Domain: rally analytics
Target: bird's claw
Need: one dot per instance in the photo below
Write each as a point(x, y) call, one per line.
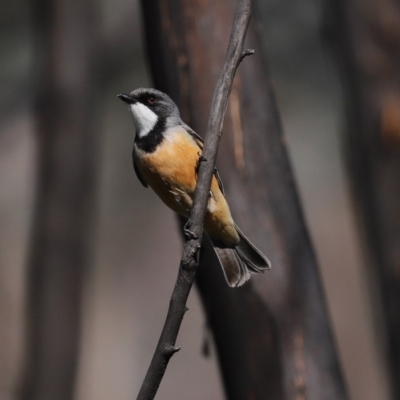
point(199, 160)
point(190, 235)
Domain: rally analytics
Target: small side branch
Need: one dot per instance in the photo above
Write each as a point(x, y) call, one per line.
point(190, 260)
point(246, 52)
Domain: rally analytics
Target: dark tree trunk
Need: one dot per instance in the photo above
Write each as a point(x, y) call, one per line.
point(64, 210)
point(273, 335)
point(367, 42)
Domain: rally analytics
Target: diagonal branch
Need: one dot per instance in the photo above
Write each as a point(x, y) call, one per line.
point(190, 261)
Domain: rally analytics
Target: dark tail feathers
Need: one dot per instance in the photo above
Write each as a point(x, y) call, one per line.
point(240, 262)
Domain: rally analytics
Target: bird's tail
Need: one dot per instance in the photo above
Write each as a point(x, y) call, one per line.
point(240, 262)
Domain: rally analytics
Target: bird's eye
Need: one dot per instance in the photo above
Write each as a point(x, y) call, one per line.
point(151, 100)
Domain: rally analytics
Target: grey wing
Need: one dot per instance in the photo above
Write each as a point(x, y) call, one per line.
point(200, 142)
point(138, 174)
point(198, 139)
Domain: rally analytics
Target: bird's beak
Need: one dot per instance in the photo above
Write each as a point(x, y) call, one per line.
point(127, 98)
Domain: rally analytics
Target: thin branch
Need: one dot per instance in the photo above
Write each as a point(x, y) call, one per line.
point(190, 261)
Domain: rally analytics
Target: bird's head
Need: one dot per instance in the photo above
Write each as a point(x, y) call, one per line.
point(149, 107)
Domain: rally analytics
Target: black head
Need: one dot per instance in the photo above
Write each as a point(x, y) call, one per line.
point(157, 102)
point(153, 113)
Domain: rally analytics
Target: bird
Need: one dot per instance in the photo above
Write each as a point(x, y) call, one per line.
point(166, 155)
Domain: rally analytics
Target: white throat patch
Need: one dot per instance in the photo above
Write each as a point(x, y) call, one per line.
point(143, 118)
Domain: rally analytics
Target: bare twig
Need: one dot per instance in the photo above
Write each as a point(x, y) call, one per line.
point(189, 262)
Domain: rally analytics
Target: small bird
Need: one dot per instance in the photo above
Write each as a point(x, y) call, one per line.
point(166, 155)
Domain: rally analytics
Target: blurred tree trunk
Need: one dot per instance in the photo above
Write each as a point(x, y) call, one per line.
point(273, 335)
point(62, 229)
point(367, 42)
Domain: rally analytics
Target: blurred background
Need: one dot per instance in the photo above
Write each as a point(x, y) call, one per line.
point(135, 242)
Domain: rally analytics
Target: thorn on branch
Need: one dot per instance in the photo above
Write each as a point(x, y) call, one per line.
point(247, 52)
point(171, 350)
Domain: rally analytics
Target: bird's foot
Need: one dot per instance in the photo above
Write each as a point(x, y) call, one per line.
point(190, 235)
point(199, 160)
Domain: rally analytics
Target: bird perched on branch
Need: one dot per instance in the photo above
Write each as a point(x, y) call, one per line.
point(165, 154)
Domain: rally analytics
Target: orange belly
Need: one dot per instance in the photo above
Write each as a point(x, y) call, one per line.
point(171, 172)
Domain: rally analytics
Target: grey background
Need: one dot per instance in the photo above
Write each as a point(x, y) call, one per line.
point(137, 248)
